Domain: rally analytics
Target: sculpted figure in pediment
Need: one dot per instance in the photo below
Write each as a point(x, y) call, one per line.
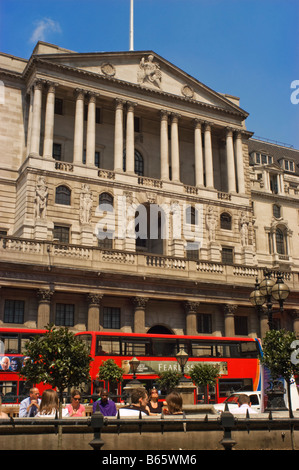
point(149, 72)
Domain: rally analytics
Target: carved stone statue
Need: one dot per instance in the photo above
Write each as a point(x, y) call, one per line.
point(149, 72)
point(41, 198)
point(244, 229)
point(211, 223)
point(85, 204)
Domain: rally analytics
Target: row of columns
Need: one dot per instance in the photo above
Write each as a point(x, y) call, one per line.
point(139, 305)
point(203, 157)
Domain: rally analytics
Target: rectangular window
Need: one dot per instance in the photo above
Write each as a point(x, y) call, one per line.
point(14, 311)
point(227, 255)
point(111, 317)
point(58, 109)
point(62, 234)
point(192, 251)
point(57, 151)
point(65, 315)
point(241, 325)
point(135, 347)
point(204, 323)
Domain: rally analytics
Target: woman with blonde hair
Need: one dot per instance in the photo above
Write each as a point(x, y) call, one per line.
point(49, 405)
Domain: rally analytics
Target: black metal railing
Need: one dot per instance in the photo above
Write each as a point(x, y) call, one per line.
point(97, 424)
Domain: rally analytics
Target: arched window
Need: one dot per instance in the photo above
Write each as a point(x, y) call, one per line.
point(281, 242)
point(106, 198)
point(63, 195)
point(225, 221)
point(138, 163)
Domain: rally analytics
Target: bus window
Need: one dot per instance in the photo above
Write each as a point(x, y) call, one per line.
point(10, 342)
point(249, 349)
point(164, 347)
point(9, 391)
point(135, 347)
point(106, 346)
point(202, 350)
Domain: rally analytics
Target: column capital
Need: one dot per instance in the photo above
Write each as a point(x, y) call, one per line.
point(198, 123)
point(119, 103)
point(229, 309)
point(44, 295)
point(94, 299)
point(131, 105)
point(208, 125)
point(38, 84)
point(51, 86)
point(229, 131)
point(191, 306)
point(164, 113)
point(79, 93)
point(175, 117)
point(92, 96)
point(139, 302)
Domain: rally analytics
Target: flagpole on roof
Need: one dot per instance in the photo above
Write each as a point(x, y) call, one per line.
point(132, 26)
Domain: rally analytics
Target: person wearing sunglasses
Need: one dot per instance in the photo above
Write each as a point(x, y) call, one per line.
point(75, 408)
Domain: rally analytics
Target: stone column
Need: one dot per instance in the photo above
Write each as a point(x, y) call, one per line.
point(30, 114)
point(130, 145)
point(175, 156)
point(295, 316)
point(240, 164)
point(93, 316)
point(164, 157)
point(91, 130)
point(230, 162)
point(191, 309)
point(49, 121)
point(208, 157)
point(198, 154)
point(229, 320)
point(44, 307)
point(79, 123)
point(139, 314)
point(36, 118)
point(118, 136)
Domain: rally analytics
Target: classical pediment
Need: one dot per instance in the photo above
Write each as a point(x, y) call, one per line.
point(146, 70)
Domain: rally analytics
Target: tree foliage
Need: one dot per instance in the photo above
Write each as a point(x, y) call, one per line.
point(205, 375)
point(110, 371)
point(57, 358)
point(277, 353)
point(168, 380)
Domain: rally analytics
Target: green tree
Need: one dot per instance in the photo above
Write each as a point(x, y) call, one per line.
point(57, 358)
point(110, 371)
point(168, 380)
point(277, 355)
point(205, 375)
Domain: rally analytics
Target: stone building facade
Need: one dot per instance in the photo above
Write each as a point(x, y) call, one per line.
point(132, 198)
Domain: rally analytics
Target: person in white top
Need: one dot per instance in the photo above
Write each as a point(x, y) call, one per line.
point(139, 399)
point(243, 405)
point(49, 405)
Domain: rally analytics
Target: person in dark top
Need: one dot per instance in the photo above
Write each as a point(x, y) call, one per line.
point(154, 406)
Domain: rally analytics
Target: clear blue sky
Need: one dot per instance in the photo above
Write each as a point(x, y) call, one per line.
point(247, 48)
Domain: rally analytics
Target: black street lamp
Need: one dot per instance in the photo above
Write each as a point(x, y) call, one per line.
point(267, 289)
point(263, 293)
point(182, 358)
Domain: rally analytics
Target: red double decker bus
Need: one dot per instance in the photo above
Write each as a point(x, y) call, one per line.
point(12, 344)
point(237, 358)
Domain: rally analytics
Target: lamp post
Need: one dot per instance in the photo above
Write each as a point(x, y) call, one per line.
point(263, 293)
point(182, 358)
point(134, 363)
